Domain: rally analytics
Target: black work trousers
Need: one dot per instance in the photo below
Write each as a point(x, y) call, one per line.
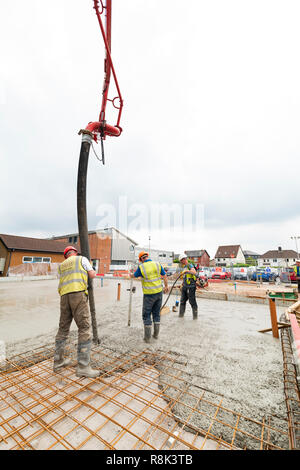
point(188, 293)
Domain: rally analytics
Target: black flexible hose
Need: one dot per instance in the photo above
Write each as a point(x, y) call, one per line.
point(171, 291)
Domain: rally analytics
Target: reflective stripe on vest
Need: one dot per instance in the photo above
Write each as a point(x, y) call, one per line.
point(151, 281)
point(72, 276)
point(189, 277)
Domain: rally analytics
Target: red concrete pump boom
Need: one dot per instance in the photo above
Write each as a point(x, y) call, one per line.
point(101, 127)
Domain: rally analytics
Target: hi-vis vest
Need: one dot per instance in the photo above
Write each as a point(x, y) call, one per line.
point(72, 276)
point(151, 281)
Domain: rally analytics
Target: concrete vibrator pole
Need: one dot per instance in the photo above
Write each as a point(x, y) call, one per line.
point(82, 219)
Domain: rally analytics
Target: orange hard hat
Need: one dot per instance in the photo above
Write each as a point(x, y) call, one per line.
point(69, 248)
point(143, 253)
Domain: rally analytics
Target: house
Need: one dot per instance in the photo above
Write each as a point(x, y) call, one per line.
point(110, 250)
point(251, 256)
point(165, 258)
point(17, 251)
point(200, 257)
point(227, 255)
point(278, 258)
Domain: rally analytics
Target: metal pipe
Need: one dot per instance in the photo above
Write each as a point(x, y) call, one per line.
point(82, 220)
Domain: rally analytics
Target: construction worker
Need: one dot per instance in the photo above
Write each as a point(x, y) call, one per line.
point(151, 273)
point(73, 284)
point(188, 289)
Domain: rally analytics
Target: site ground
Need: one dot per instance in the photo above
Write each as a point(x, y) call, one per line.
point(217, 374)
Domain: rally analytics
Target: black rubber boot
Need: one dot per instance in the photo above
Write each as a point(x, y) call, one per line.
point(195, 314)
point(156, 330)
point(181, 311)
point(147, 333)
point(84, 357)
point(59, 360)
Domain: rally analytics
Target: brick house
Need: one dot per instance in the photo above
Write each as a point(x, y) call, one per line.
point(200, 257)
point(16, 251)
point(110, 250)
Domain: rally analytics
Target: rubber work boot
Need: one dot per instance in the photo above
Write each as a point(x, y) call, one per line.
point(84, 357)
point(156, 330)
point(147, 333)
point(59, 360)
point(195, 314)
point(181, 311)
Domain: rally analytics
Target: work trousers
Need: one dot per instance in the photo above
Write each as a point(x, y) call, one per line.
point(151, 308)
point(188, 293)
point(75, 305)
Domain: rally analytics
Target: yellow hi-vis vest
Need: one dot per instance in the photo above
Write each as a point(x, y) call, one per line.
point(72, 276)
point(189, 277)
point(151, 281)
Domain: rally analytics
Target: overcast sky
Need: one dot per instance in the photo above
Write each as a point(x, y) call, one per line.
point(211, 118)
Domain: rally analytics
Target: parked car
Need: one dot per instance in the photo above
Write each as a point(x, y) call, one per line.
point(288, 275)
point(221, 275)
point(207, 272)
point(170, 271)
point(240, 274)
point(204, 273)
point(264, 276)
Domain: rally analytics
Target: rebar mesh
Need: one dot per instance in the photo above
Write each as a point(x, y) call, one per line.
point(142, 400)
point(291, 389)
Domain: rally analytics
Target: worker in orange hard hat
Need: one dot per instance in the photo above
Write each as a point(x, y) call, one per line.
point(143, 254)
point(73, 289)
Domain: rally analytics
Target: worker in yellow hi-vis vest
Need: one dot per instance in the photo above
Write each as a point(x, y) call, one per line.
point(73, 290)
point(152, 274)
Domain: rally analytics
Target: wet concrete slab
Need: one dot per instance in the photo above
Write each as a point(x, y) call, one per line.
point(222, 352)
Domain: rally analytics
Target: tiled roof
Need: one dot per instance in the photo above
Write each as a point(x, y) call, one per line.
point(228, 251)
point(280, 254)
point(197, 253)
point(14, 242)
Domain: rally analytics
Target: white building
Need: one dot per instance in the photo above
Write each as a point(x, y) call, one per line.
point(278, 258)
point(227, 255)
point(165, 258)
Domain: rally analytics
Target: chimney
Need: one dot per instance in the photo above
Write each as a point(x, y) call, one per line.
point(279, 248)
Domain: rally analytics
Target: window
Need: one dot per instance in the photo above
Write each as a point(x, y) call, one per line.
point(274, 260)
point(36, 259)
point(70, 239)
point(75, 239)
